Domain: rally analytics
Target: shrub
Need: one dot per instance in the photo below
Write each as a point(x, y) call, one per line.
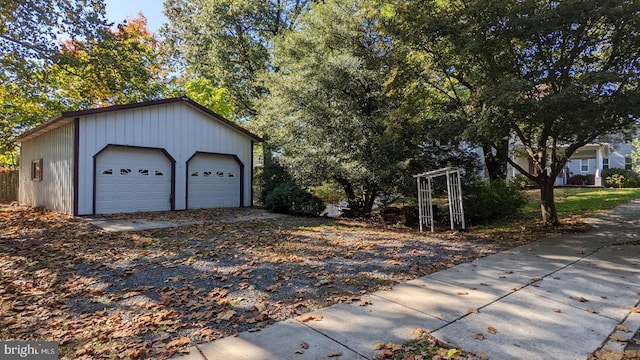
point(329, 192)
point(621, 178)
point(290, 198)
point(581, 180)
point(486, 201)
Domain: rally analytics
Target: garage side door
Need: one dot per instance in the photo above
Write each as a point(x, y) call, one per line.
point(214, 182)
point(132, 179)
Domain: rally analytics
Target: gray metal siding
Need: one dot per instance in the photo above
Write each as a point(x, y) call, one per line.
point(178, 128)
point(55, 191)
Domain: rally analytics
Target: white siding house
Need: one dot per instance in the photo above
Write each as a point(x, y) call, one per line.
point(589, 160)
point(170, 154)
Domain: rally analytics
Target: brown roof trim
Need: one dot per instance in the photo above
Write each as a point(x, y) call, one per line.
point(69, 115)
point(58, 122)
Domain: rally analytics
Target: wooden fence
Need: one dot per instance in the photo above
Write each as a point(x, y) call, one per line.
point(8, 185)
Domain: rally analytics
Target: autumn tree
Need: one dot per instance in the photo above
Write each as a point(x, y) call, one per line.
point(29, 33)
point(120, 66)
point(117, 66)
point(228, 42)
point(554, 75)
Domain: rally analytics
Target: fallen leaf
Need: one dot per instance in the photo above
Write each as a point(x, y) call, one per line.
point(307, 318)
point(452, 353)
point(635, 310)
point(418, 331)
point(492, 330)
point(304, 345)
point(472, 311)
point(621, 327)
point(365, 303)
point(261, 307)
point(592, 310)
point(178, 342)
point(334, 353)
point(226, 315)
point(557, 310)
point(478, 337)
point(618, 337)
point(378, 346)
point(482, 356)
point(462, 293)
point(300, 352)
point(579, 298)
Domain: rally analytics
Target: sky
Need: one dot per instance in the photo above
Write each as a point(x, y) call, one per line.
point(119, 10)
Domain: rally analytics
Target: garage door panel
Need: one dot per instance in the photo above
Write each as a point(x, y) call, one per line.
point(132, 179)
point(214, 181)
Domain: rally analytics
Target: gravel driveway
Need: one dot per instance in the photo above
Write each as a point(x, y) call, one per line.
point(153, 292)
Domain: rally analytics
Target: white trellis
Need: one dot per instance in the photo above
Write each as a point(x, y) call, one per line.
point(454, 191)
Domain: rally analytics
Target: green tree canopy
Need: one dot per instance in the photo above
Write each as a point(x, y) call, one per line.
point(328, 110)
point(29, 30)
point(228, 42)
point(554, 75)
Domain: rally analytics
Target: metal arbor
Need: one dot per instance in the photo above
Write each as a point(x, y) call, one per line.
point(454, 192)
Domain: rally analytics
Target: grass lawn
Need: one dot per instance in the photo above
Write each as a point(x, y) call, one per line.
point(585, 201)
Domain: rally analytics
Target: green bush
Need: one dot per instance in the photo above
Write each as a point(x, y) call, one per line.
point(329, 192)
point(486, 201)
point(620, 178)
point(272, 175)
point(579, 179)
point(290, 198)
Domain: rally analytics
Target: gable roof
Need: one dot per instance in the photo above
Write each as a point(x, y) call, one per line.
point(68, 117)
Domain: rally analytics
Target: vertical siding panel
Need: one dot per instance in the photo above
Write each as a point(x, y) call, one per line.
point(177, 127)
point(55, 191)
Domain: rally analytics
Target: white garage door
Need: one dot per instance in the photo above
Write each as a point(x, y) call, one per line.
point(132, 179)
point(214, 182)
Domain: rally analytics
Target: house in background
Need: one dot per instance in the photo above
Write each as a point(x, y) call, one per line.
point(588, 161)
point(169, 154)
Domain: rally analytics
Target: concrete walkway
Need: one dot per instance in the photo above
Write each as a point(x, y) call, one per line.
point(558, 298)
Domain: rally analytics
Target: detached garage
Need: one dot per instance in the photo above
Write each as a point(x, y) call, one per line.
point(170, 154)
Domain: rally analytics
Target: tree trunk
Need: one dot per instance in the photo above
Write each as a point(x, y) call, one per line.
point(496, 161)
point(347, 187)
point(547, 202)
point(369, 199)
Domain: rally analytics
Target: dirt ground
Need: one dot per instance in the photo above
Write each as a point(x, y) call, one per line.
point(152, 293)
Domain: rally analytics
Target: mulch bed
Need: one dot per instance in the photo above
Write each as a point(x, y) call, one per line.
point(153, 293)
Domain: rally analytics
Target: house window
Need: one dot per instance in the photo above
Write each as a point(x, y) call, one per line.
point(584, 165)
point(628, 163)
point(107, 172)
point(605, 163)
point(143, 172)
point(36, 170)
point(125, 171)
